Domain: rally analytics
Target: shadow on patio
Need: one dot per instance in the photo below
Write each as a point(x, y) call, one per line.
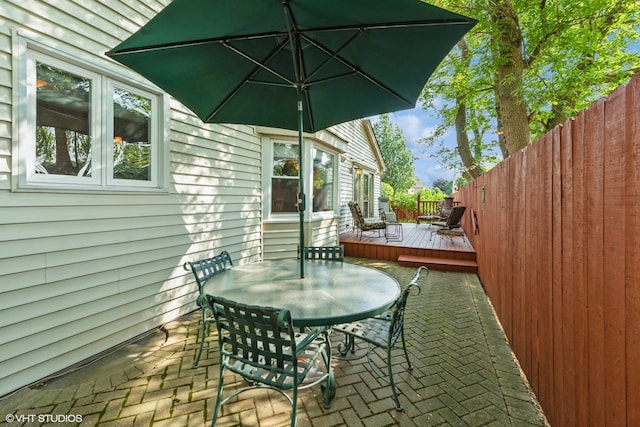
point(464, 374)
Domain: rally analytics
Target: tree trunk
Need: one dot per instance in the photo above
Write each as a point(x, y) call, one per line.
point(63, 165)
point(472, 169)
point(511, 102)
point(501, 141)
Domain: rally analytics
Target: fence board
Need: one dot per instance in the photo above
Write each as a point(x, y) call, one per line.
point(580, 273)
point(564, 274)
point(518, 213)
point(544, 285)
point(557, 284)
point(614, 230)
point(530, 268)
point(632, 252)
point(503, 223)
point(567, 417)
point(594, 136)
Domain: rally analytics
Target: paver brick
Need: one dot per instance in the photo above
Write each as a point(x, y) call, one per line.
point(136, 394)
point(164, 408)
point(464, 374)
point(113, 409)
point(138, 409)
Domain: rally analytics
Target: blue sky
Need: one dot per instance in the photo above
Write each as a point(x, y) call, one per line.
point(417, 124)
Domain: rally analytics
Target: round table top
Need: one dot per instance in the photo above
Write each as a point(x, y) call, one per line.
point(331, 292)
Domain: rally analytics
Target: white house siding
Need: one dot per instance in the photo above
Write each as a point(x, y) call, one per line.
point(357, 146)
point(5, 105)
point(83, 271)
point(364, 153)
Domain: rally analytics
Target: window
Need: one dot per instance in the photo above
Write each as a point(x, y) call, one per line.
point(363, 190)
point(284, 178)
point(323, 180)
point(82, 129)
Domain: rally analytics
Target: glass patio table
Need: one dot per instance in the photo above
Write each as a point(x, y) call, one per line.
point(330, 293)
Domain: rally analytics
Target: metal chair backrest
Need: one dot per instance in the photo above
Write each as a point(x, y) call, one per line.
point(331, 253)
point(358, 218)
point(397, 319)
point(384, 204)
point(204, 269)
point(262, 337)
point(455, 216)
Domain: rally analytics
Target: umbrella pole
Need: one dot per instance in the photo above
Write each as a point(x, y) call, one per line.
point(302, 204)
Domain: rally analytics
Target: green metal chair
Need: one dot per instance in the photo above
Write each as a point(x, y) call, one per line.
point(204, 270)
point(382, 332)
point(330, 253)
point(261, 345)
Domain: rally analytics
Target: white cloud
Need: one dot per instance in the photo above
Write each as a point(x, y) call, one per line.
point(416, 125)
point(413, 126)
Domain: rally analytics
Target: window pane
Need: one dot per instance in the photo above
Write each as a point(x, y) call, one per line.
point(131, 142)
point(63, 126)
point(284, 181)
point(367, 206)
point(284, 195)
point(322, 181)
point(285, 160)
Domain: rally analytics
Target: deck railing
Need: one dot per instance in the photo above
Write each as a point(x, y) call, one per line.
point(425, 207)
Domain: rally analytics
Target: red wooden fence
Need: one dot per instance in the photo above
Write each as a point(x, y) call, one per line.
point(558, 248)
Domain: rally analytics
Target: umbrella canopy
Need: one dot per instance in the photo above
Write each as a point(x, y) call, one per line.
point(294, 64)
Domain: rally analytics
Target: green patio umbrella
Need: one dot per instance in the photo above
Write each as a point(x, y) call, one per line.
point(302, 65)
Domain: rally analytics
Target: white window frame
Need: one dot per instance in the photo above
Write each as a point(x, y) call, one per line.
point(153, 137)
point(308, 146)
point(101, 122)
point(366, 200)
point(334, 196)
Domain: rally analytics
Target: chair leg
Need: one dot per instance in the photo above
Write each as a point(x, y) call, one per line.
point(203, 330)
point(391, 381)
point(329, 388)
point(294, 407)
point(219, 395)
point(406, 353)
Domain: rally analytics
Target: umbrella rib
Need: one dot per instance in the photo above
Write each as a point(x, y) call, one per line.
point(260, 64)
point(191, 43)
point(355, 70)
point(334, 54)
point(390, 25)
point(250, 76)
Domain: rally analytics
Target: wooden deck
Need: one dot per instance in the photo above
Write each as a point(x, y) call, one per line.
point(420, 245)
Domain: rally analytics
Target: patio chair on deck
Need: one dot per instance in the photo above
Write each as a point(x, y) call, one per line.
point(386, 213)
point(382, 332)
point(363, 225)
point(453, 220)
point(204, 270)
point(261, 345)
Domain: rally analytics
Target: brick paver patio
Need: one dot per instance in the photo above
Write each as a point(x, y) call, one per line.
point(464, 375)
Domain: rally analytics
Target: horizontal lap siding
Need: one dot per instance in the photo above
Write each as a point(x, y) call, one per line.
point(5, 107)
point(567, 286)
point(81, 272)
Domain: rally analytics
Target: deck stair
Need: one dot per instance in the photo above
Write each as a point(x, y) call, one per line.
point(439, 263)
point(419, 246)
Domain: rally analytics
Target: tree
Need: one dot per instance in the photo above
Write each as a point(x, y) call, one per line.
point(399, 170)
point(527, 67)
point(445, 186)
